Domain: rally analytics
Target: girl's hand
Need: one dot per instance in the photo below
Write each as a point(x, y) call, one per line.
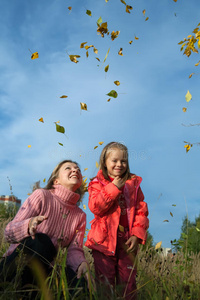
point(33, 224)
point(84, 269)
point(132, 243)
point(119, 182)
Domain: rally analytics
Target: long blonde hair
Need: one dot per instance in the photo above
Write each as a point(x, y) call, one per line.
point(55, 173)
point(104, 154)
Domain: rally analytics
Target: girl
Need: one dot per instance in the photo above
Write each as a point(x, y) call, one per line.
point(120, 222)
point(50, 218)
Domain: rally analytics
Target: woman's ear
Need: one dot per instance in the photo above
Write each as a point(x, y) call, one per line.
point(56, 181)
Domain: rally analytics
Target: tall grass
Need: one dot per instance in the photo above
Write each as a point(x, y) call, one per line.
point(176, 276)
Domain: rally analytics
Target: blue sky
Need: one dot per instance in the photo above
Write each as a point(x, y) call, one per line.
point(147, 114)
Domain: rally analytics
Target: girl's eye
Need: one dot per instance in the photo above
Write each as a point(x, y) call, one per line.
point(67, 168)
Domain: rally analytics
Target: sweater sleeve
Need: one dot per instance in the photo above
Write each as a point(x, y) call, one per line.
point(141, 222)
point(101, 198)
point(75, 253)
point(17, 229)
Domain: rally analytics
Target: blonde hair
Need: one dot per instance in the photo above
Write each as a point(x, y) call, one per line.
point(104, 154)
point(54, 175)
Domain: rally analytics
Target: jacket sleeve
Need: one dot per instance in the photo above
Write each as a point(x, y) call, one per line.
point(75, 253)
point(141, 222)
point(102, 197)
point(17, 229)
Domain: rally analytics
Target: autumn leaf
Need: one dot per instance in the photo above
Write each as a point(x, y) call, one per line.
point(117, 82)
point(85, 169)
point(114, 35)
point(191, 75)
point(88, 12)
point(173, 204)
point(122, 1)
point(57, 122)
point(166, 221)
point(34, 55)
point(184, 109)
point(128, 8)
point(99, 21)
point(102, 29)
point(87, 54)
point(60, 144)
point(70, 8)
point(120, 51)
point(95, 147)
point(144, 11)
point(197, 64)
point(41, 120)
point(73, 58)
point(109, 100)
point(63, 96)
point(97, 58)
point(84, 206)
point(147, 19)
point(97, 165)
point(188, 147)
point(106, 68)
point(113, 94)
point(83, 44)
point(95, 50)
point(83, 106)
point(136, 38)
point(188, 96)
point(171, 214)
point(88, 47)
point(29, 146)
point(106, 55)
point(130, 42)
point(101, 143)
point(158, 245)
point(60, 128)
point(175, 0)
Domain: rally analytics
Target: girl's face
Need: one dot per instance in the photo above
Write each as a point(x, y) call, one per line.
point(69, 176)
point(116, 163)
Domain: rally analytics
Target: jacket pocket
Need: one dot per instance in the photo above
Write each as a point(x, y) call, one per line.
point(99, 230)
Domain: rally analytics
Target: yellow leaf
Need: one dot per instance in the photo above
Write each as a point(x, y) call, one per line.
point(76, 230)
point(83, 44)
point(97, 165)
point(117, 82)
point(69, 7)
point(95, 50)
point(188, 147)
point(147, 19)
point(73, 58)
point(102, 29)
point(122, 1)
point(63, 96)
point(29, 146)
point(29, 194)
point(84, 206)
point(87, 54)
point(114, 35)
point(97, 58)
point(83, 106)
point(197, 64)
point(95, 147)
point(120, 51)
point(191, 75)
point(198, 44)
point(188, 96)
point(101, 143)
point(85, 169)
point(136, 38)
point(128, 8)
point(166, 221)
point(88, 47)
point(171, 214)
point(144, 11)
point(41, 120)
point(57, 122)
point(109, 100)
point(184, 109)
point(130, 42)
point(106, 68)
point(106, 55)
point(158, 245)
point(44, 179)
point(34, 55)
point(175, 0)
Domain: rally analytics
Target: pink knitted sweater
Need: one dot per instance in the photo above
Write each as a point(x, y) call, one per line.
point(65, 224)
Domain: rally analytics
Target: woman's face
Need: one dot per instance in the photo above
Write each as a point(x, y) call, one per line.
point(69, 176)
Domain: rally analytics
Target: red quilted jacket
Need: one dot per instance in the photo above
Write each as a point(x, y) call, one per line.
point(103, 196)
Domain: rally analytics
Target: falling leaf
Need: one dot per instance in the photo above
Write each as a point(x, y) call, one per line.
point(95, 50)
point(41, 120)
point(99, 21)
point(120, 51)
point(122, 1)
point(197, 64)
point(57, 122)
point(34, 55)
point(106, 68)
point(188, 147)
point(63, 96)
point(76, 230)
point(88, 12)
point(83, 106)
point(60, 144)
point(184, 109)
point(97, 165)
point(171, 214)
point(173, 204)
point(166, 221)
point(83, 44)
point(109, 100)
point(73, 58)
point(117, 82)
point(87, 54)
point(97, 58)
point(106, 1)
point(95, 147)
point(197, 229)
point(29, 146)
point(88, 47)
point(44, 180)
point(175, 0)
point(59, 128)
point(114, 35)
point(84, 206)
point(144, 11)
point(147, 19)
point(136, 38)
point(69, 7)
point(113, 94)
point(191, 75)
point(106, 55)
point(85, 169)
point(101, 143)
point(128, 8)
point(158, 245)
point(130, 42)
point(102, 29)
point(188, 96)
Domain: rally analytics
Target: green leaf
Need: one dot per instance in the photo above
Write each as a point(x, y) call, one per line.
point(106, 55)
point(60, 144)
point(106, 68)
point(88, 12)
point(60, 129)
point(113, 94)
point(99, 21)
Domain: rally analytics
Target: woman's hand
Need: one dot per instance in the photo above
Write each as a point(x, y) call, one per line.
point(84, 269)
point(33, 224)
point(132, 243)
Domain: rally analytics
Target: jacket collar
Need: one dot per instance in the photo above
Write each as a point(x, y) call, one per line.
point(64, 195)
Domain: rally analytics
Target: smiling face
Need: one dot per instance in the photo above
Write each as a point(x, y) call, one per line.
point(116, 163)
point(69, 176)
